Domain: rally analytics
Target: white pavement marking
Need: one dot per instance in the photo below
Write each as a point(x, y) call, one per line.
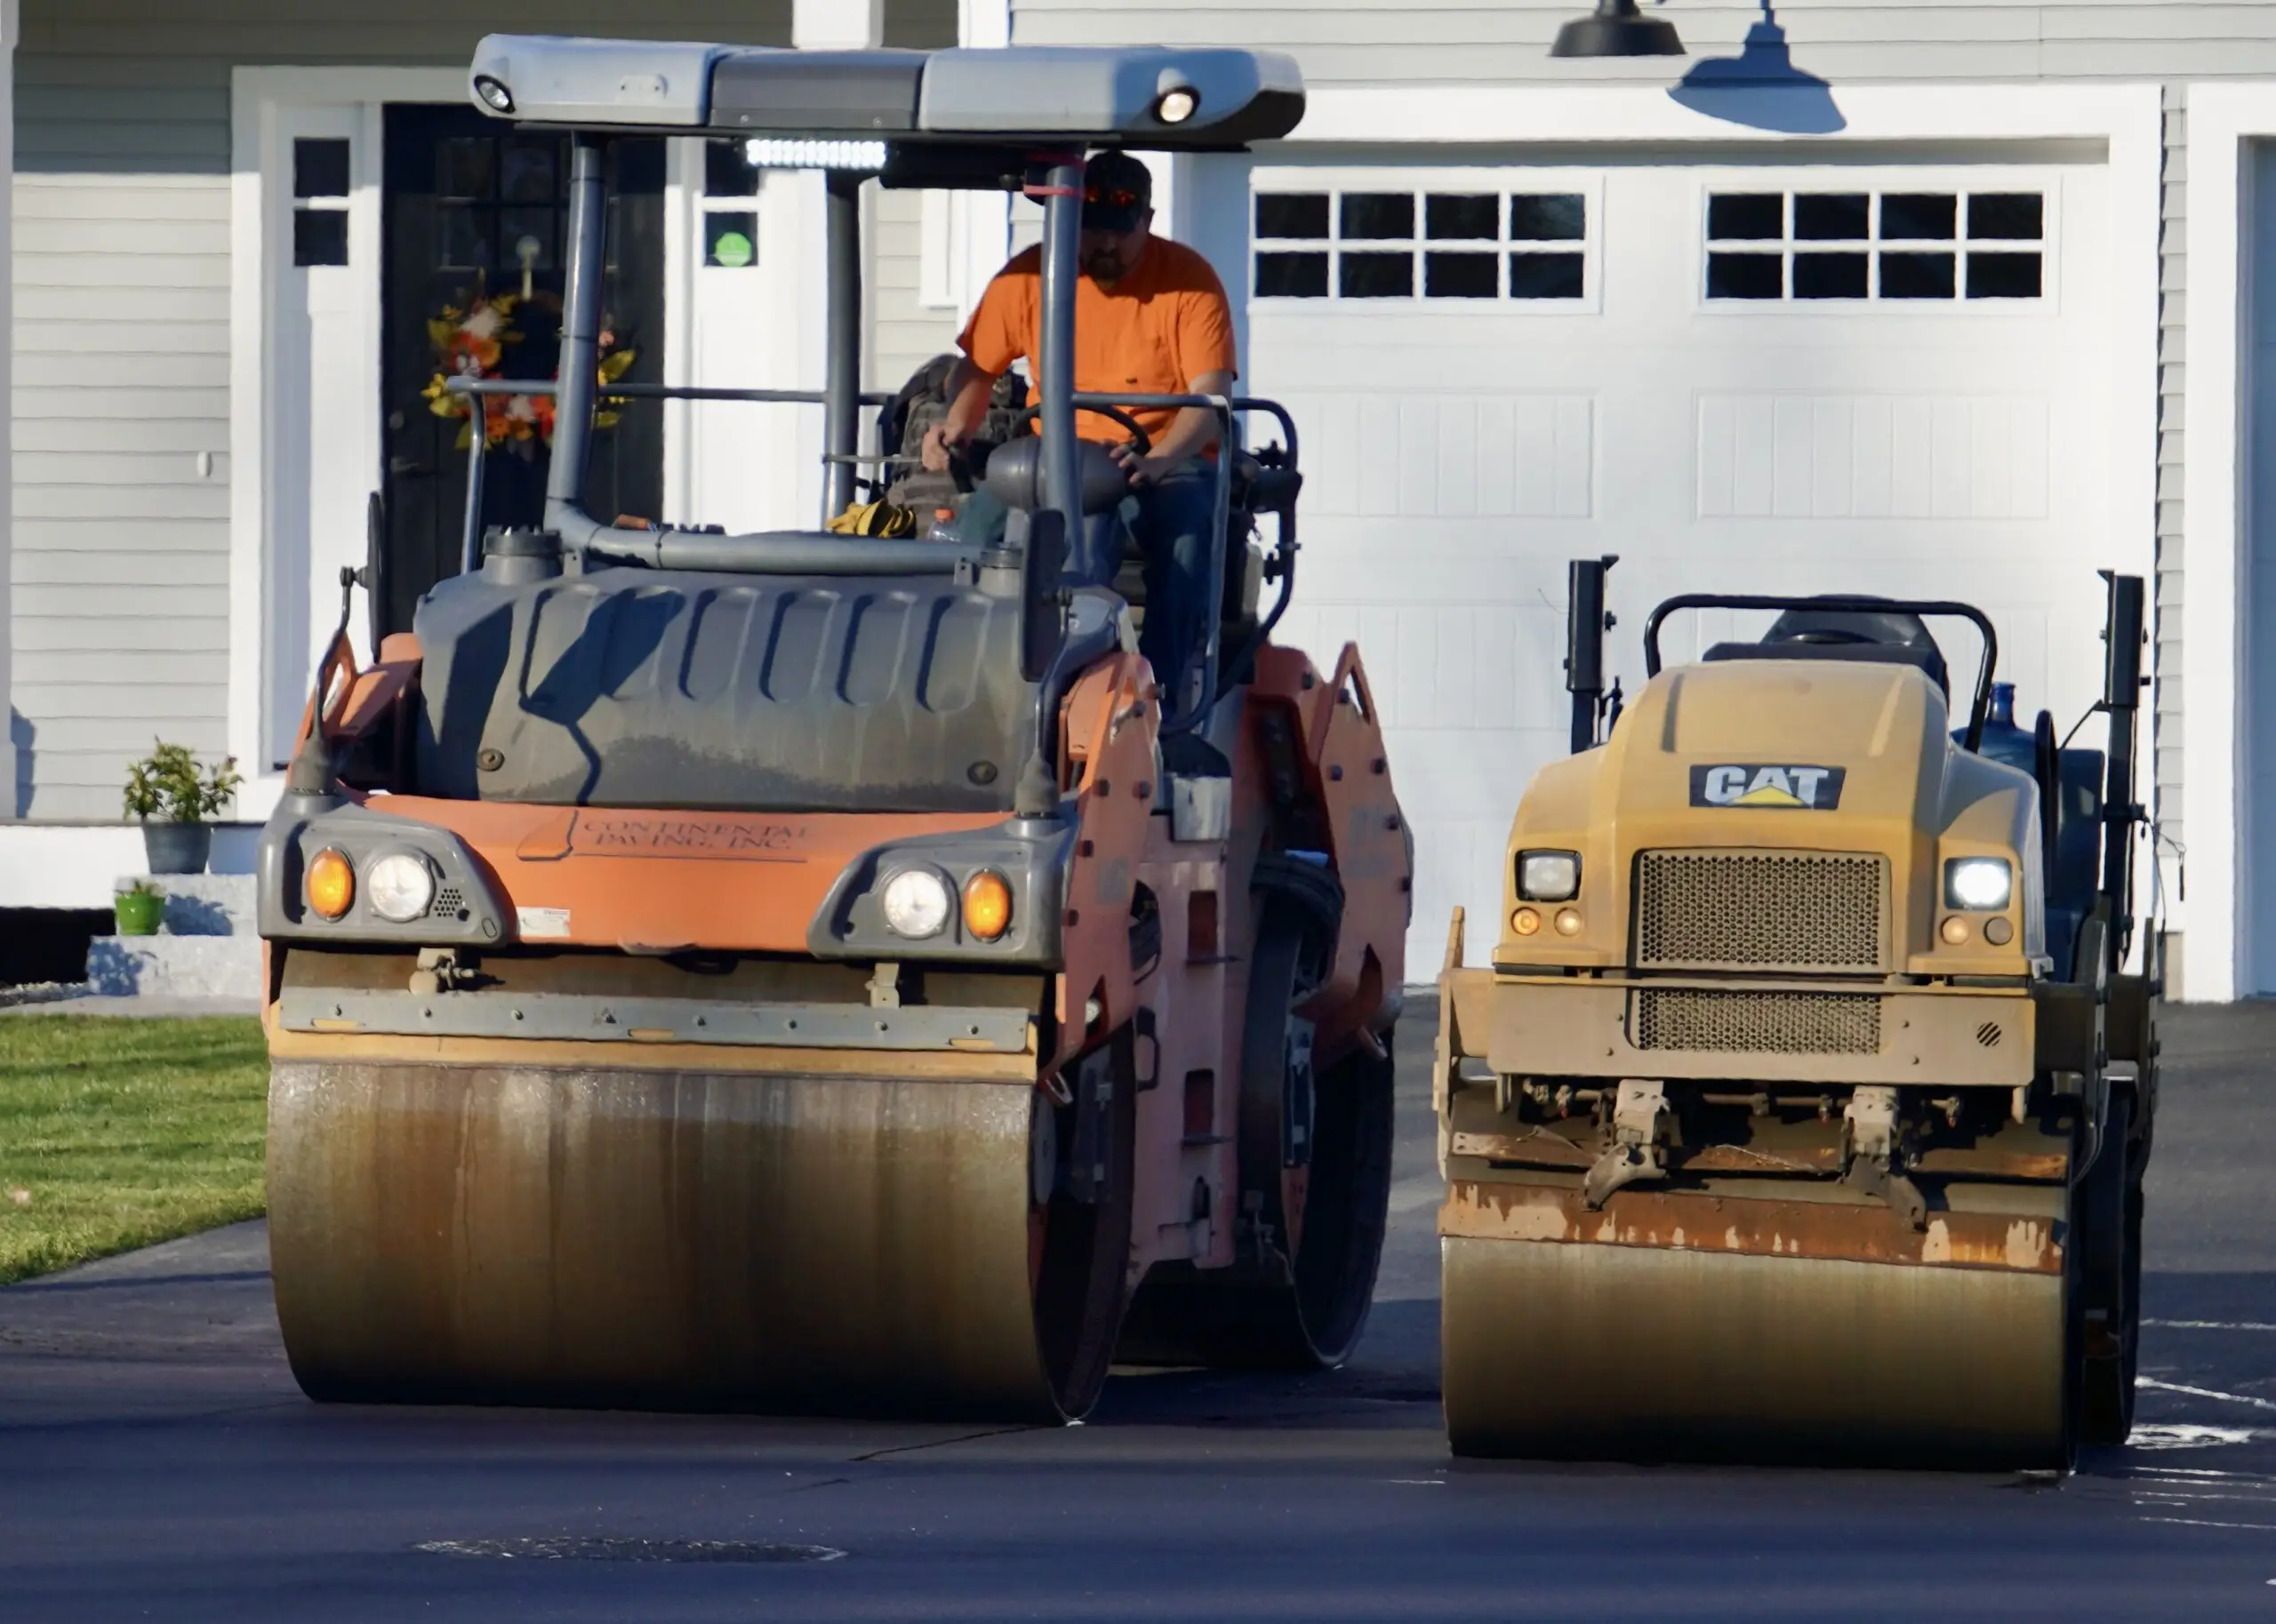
point(2211, 1325)
point(2234, 1398)
point(2193, 1522)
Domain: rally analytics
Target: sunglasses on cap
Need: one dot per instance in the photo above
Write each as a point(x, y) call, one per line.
point(1113, 208)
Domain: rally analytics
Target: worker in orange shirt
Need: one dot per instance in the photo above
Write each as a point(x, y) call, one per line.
point(1151, 318)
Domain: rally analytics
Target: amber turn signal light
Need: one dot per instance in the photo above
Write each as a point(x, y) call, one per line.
point(987, 905)
point(1955, 930)
point(331, 883)
point(1525, 921)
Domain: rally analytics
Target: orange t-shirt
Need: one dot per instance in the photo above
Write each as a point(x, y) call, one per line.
point(1153, 332)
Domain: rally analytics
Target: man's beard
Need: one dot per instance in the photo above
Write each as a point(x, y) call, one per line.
point(1103, 269)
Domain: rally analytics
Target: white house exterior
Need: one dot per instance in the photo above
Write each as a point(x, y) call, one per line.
point(1926, 313)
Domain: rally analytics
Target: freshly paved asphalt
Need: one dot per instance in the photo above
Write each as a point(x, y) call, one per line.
point(155, 1460)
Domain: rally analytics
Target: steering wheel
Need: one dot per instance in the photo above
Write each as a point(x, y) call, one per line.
point(1139, 437)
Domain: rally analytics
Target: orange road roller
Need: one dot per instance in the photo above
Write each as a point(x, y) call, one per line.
point(824, 971)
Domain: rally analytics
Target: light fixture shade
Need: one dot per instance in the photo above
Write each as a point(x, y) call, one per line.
point(1617, 29)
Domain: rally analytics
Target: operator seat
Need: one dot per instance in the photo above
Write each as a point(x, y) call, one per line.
point(1884, 636)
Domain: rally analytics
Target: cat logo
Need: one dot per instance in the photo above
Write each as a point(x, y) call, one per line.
point(1777, 787)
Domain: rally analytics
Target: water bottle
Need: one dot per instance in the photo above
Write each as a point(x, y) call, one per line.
point(2003, 741)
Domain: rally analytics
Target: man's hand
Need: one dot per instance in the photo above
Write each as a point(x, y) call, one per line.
point(968, 388)
point(935, 449)
point(1141, 470)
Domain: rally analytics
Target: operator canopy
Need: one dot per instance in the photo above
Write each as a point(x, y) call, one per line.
point(1155, 97)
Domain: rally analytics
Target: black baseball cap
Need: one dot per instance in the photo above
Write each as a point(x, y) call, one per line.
point(1118, 190)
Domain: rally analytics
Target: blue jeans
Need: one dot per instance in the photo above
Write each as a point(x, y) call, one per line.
point(1170, 519)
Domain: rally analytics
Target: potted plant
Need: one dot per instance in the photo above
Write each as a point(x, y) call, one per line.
point(140, 908)
point(174, 796)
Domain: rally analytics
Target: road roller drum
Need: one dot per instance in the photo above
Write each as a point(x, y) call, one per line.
point(687, 1239)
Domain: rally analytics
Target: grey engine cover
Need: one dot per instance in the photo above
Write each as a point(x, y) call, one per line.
point(630, 687)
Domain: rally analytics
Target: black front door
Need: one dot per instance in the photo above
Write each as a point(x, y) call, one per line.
point(476, 221)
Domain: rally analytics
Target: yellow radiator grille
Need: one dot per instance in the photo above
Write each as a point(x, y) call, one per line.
point(1760, 910)
point(1756, 1022)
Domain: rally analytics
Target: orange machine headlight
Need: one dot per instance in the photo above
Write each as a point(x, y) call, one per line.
point(331, 883)
point(987, 905)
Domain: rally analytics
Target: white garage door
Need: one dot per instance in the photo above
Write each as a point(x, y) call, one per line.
point(1872, 378)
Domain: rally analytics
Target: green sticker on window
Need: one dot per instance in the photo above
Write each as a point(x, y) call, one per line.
point(730, 249)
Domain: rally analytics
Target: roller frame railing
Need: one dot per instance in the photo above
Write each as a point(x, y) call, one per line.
point(1843, 605)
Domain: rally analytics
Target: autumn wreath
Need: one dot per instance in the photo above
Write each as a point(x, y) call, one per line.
point(471, 343)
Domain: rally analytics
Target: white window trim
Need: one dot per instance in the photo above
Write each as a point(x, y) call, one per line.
point(2222, 119)
point(260, 564)
point(1984, 178)
point(1500, 178)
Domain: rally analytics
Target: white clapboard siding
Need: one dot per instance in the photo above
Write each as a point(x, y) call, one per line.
point(120, 551)
point(904, 332)
point(122, 340)
point(1505, 42)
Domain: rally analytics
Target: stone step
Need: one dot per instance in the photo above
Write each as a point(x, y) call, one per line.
point(203, 904)
point(191, 966)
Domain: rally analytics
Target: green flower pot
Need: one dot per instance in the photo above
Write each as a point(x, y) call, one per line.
point(139, 913)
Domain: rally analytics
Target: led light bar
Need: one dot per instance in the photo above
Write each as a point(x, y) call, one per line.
point(763, 153)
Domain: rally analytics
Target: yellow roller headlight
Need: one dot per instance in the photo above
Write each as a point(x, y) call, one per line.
point(331, 883)
point(987, 905)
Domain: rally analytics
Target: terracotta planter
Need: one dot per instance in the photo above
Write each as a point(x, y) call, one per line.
point(178, 848)
point(139, 913)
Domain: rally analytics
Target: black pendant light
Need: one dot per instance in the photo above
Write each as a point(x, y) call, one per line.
point(1617, 29)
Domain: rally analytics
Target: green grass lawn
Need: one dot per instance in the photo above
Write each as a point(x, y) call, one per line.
point(116, 1133)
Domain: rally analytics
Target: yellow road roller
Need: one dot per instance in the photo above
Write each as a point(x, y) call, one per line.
point(1802, 1112)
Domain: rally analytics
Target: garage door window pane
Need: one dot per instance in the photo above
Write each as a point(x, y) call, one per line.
point(464, 166)
point(728, 170)
point(320, 236)
point(2003, 276)
point(1378, 215)
point(1546, 275)
point(1745, 276)
point(1548, 217)
point(1376, 275)
point(1739, 217)
point(1461, 275)
point(319, 168)
point(1844, 217)
point(1292, 276)
point(1829, 276)
point(1915, 275)
point(1292, 215)
point(466, 237)
point(1915, 216)
point(1448, 218)
point(730, 239)
point(2006, 216)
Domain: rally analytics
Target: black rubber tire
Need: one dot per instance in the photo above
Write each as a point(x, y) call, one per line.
point(1272, 1312)
point(1079, 1294)
point(2110, 1211)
